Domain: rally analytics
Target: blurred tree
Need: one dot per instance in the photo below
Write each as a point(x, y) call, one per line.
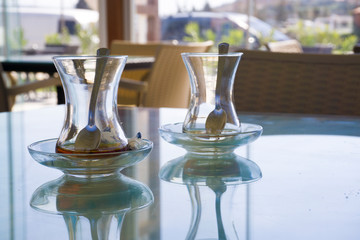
point(234, 37)
point(89, 40)
point(310, 36)
point(58, 39)
point(192, 31)
point(18, 41)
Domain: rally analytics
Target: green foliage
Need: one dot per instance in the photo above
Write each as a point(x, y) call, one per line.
point(210, 35)
point(192, 30)
point(58, 39)
point(235, 37)
point(311, 36)
point(53, 39)
point(18, 40)
point(263, 40)
point(88, 38)
point(301, 33)
point(348, 43)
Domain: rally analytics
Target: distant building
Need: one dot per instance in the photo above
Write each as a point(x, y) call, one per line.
point(340, 24)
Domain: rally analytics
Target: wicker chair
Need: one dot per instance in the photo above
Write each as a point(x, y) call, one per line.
point(168, 82)
point(298, 83)
point(122, 47)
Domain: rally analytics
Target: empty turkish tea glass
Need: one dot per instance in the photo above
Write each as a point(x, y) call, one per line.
point(77, 75)
point(211, 91)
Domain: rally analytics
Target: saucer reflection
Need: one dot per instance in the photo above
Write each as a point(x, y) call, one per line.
point(92, 208)
point(211, 181)
point(198, 169)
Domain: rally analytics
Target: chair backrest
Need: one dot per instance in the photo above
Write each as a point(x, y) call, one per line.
point(122, 47)
point(289, 46)
point(168, 82)
point(298, 83)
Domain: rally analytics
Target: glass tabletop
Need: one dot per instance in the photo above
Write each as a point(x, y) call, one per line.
point(309, 187)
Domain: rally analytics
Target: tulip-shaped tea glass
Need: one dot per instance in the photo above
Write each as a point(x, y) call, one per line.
point(79, 76)
point(211, 80)
point(90, 85)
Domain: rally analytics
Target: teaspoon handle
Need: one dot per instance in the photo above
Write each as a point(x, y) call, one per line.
point(223, 49)
point(99, 70)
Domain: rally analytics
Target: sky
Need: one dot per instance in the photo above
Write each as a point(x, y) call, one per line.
point(46, 3)
point(166, 7)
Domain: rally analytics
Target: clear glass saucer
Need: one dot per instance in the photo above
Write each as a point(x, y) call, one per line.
point(210, 143)
point(94, 164)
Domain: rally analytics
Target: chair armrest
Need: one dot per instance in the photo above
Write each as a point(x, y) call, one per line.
point(23, 88)
point(133, 84)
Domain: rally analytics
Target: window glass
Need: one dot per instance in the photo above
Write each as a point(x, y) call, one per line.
point(48, 27)
point(332, 26)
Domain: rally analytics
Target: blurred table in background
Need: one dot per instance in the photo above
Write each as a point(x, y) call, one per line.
point(44, 64)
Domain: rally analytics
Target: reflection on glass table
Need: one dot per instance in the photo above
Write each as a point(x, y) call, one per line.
point(209, 179)
point(92, 208)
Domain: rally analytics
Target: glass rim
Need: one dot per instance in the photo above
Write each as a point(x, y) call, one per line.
point(209, 54)
point(88, 57)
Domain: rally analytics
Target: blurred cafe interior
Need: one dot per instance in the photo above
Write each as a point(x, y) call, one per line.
point(37, 30)
point(180, 119)
point(34, 31)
